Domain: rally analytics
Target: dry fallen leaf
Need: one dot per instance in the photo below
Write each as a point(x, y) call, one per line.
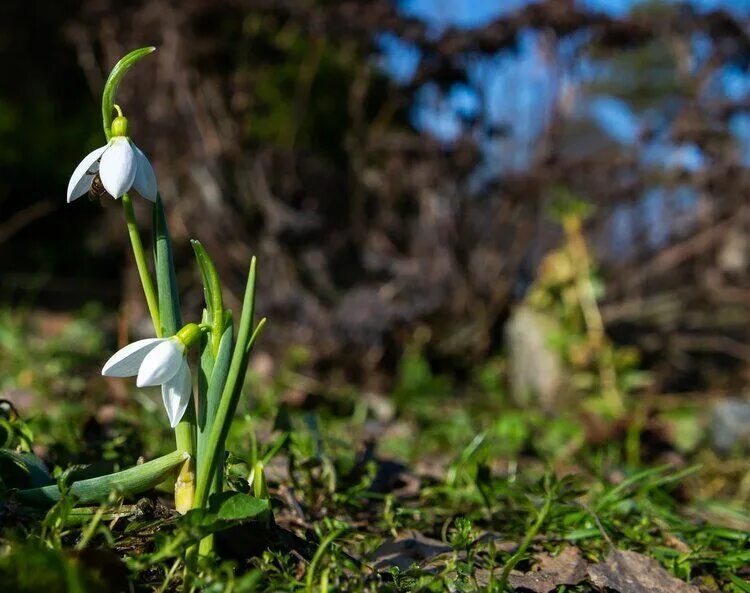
point(567, 568)
point(675, 542)
point(408, 551)
point(630, 572)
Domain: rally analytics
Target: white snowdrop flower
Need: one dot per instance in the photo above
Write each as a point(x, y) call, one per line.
point(120, 166)
point(159, 361)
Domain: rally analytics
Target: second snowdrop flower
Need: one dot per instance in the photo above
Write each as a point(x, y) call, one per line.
point(119, 164)
point(159, 361)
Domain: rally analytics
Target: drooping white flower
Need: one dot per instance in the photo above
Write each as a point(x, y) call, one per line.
point(159, 361)
point(120, 165)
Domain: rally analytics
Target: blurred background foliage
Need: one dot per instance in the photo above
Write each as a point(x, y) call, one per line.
point(395, 165)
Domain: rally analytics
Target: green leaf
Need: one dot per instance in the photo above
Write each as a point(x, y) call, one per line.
point(204, 374)
point(214, 373)
point(113, 82)
point(23, 470)
point(740, 584)
point(166, 281)
point(225, 510)
point(128, 482)
point(232, 389)
point(213, 294)
point(215, 388)
point(203, 262)
point(237, 506)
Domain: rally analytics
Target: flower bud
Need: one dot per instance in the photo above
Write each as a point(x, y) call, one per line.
point(119, 126)
point(189, 334)
point(257, 480)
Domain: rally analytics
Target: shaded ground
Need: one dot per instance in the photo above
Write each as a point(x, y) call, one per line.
point(438, 487)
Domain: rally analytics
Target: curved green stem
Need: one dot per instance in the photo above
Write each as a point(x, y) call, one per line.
point(108, 105)
point(113, 81)
point(140, 262)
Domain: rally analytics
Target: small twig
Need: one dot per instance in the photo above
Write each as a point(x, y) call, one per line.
point(598, 522)
point(295, 505)
point(23, 218)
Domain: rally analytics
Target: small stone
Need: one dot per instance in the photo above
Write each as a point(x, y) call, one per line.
point(535, 367)
point(382, 408)
point(629, 572)
point(730, 425)
point(406, 551)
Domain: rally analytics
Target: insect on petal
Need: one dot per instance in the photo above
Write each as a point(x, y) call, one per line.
point(161, 364)
point(80, 181)
point(118, 167)
point(177, 393)
point(126, 361)
point(145, 178)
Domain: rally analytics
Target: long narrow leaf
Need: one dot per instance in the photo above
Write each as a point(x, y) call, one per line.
point(214, 297)
point(166, 282)
point(215, 389)
point(204, 374)
point(205, 276)
point(169, 312)
point(128, 482)
point(231, 392)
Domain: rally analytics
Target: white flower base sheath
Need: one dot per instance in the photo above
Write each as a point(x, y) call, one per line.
point(121, 165)
point(156, 361)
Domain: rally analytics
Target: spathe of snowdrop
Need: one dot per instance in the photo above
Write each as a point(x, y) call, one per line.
point(159, 361)
point(120, 165)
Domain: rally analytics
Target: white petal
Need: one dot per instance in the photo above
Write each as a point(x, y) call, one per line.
point(161, 364)
point(117, 167)
point(80, 180)
point(177, 393)
point(127, 361)
point(145, 178)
